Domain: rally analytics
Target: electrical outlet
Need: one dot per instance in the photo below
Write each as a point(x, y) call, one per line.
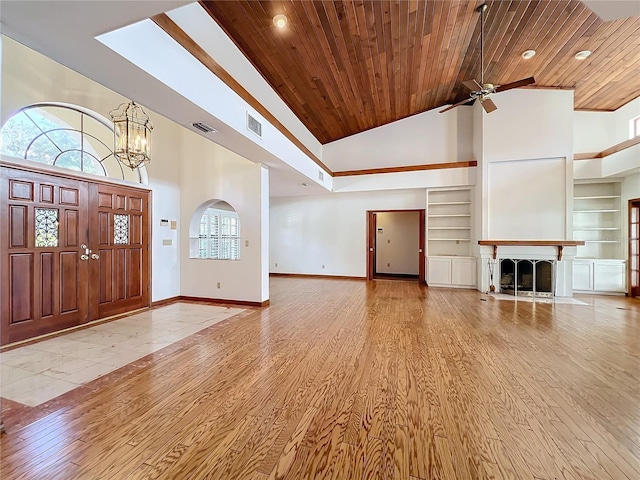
point(322, 266)
point(389, 241)
point(388, 264)
point(276, 264)
point(218, 284)
point(246, 243)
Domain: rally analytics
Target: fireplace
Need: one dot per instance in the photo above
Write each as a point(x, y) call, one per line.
point(527, 277)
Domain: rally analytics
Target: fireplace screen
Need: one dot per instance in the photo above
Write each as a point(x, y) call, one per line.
point(527, 277)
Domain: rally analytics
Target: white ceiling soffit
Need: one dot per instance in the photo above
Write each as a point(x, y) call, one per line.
point(149, 47)
point(609, 10)
point(66, 32)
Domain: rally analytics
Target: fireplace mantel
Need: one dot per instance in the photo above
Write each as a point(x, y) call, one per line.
point(559, 244)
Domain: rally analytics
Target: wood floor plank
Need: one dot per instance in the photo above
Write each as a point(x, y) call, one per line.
point(341, 380)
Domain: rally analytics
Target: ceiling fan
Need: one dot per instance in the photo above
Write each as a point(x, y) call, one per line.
point(481, 91)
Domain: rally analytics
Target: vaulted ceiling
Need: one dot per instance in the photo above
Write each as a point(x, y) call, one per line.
point(347, 66)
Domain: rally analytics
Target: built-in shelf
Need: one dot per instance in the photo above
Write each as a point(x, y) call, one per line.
point(596, 197)
point(449, 240)
point(449, 228)
point(596, 211)
point(595, 229)
point(597, 219)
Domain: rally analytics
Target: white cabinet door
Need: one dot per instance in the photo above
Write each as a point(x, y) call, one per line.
point(582, 275)
point(463, 271)
point(439, 271)
point(609, 276)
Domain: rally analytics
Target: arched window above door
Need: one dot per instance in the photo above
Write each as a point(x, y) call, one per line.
point(66, 136)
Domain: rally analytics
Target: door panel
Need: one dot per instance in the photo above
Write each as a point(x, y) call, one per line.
point(120, 227)
point(62, 257)
point(21, 276)
point(48, 282)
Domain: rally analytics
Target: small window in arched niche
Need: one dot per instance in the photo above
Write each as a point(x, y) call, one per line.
point(67, 136)
point(214, 232)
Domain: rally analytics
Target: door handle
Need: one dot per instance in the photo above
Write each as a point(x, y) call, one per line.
point(84, 257)
point(95, 256)
point(371, 249)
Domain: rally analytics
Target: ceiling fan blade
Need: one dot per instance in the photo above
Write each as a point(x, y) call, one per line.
point(519, 83)
point(488, 105)
point(468, 100)
point(472, 85)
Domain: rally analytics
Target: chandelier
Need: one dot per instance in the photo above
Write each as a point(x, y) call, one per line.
point(131, 135)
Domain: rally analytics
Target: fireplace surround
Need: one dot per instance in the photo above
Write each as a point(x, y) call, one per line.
point(542, 255)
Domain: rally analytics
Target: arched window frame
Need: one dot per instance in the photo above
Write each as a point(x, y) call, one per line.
point(141, 173)
point(215, 232)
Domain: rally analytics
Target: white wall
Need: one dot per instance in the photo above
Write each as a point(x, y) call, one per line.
point(597, 131)
point(28, 77)
point(211, 172)
point(186, 170)
point(527, 200)
point(428, 137)
point(329, 230)
point(529, 124)
point(526, 166)
point(397, 242)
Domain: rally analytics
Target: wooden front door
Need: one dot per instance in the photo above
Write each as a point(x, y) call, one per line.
point(119, 232)
point(66, 257)
point(634, 248)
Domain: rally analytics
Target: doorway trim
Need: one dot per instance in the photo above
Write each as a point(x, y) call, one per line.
point(633, 284)
point(371, 237)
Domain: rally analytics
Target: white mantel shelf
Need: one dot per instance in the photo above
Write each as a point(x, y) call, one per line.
point(559, 244)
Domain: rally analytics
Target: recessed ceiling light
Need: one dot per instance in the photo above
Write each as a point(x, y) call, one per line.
point(583, 54)
point(280, 20)
point(528, 54)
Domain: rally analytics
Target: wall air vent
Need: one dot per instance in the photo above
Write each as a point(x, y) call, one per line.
point(203, 127)
point(254, 125)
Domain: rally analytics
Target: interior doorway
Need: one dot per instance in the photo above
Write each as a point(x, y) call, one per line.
point(634, 247)
point(72, 251)
point(395, 244)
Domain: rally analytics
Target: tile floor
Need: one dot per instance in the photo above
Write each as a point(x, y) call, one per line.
point(37, 373)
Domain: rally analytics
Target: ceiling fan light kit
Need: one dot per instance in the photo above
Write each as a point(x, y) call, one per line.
point(480, 90)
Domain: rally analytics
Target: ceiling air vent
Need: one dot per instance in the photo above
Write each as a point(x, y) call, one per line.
point(254, 125)
point(203, 127)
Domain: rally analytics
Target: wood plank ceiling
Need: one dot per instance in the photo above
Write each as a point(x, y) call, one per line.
point(347, 66)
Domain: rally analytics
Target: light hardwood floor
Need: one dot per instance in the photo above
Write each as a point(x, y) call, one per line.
point(344, 379)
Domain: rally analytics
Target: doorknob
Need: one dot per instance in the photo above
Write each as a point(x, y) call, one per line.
point(84, 257)
point(95, 256)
